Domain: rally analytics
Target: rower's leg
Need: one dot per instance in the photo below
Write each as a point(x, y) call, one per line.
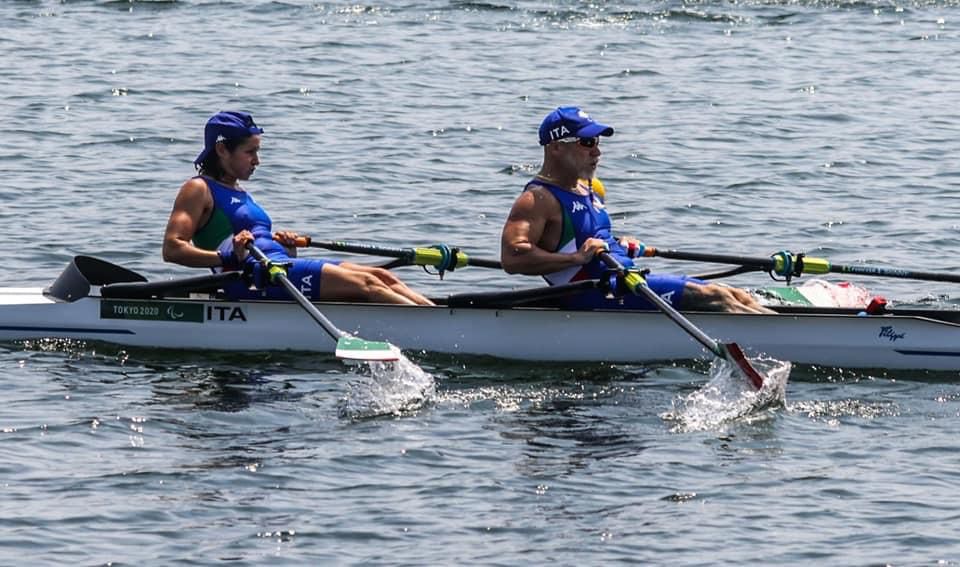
point(390, 280)
point(715, 297)
point(341, 283)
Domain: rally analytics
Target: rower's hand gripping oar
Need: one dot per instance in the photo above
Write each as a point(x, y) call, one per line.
point(348, 346)
point(788, 265)
point(442, 257)
point(727, 351)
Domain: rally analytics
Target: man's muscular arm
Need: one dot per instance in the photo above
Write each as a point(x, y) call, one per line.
point(520, 244)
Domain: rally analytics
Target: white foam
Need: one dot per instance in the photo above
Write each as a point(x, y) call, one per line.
point(728, 396)
point(387, 388)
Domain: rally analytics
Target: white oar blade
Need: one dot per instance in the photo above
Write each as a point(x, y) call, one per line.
point(355, 348)
point(735, 355)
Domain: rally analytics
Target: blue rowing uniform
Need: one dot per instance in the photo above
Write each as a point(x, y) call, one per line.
point(235, 210)
point(585, 216)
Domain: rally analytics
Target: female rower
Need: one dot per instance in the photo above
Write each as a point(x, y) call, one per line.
point(214, 218)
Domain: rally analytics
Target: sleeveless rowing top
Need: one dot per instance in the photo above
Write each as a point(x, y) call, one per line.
point(233, 211)
point(584, 216)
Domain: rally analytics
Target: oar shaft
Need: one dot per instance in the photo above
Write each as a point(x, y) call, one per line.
point(415, 256)
point(810, 265)
point(894, 273)
point(358, 248)
point(485, 263)
point(679, 319)
point(280, 275)
point(730, 352)
point(758, 263)
point(638, 285)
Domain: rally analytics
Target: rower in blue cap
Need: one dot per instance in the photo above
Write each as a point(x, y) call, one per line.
point(559, 224)
point(214, 218)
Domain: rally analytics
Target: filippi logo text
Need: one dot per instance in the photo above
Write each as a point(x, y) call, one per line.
point(889, 332)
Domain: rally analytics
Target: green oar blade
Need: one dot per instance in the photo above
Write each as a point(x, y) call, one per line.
point(355, 348)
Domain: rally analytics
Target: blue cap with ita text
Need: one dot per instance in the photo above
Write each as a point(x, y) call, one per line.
point(226, 125)
point(570, 121)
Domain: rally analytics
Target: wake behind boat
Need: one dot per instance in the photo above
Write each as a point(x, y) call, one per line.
point(96, 300)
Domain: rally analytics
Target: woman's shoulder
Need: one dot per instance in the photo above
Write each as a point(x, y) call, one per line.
point(197, 181)
point(195, 188)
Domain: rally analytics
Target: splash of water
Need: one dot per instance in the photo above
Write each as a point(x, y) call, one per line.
point(728, 396)
point(387, 388)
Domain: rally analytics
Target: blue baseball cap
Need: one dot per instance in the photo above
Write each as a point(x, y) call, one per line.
point(226, 125)
point(570, 121)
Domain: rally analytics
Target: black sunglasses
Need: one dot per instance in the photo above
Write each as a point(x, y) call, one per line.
point(585, 142)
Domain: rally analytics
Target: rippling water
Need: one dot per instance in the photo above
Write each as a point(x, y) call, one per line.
point(742, 127)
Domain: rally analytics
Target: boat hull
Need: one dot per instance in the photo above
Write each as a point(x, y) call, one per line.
point(533, 334)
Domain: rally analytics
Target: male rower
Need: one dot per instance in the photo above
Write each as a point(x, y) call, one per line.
point(558, 224)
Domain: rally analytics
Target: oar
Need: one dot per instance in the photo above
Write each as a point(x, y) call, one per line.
point(348, 346)
point(788, 264)
point(728, 351)
point(441, 257)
